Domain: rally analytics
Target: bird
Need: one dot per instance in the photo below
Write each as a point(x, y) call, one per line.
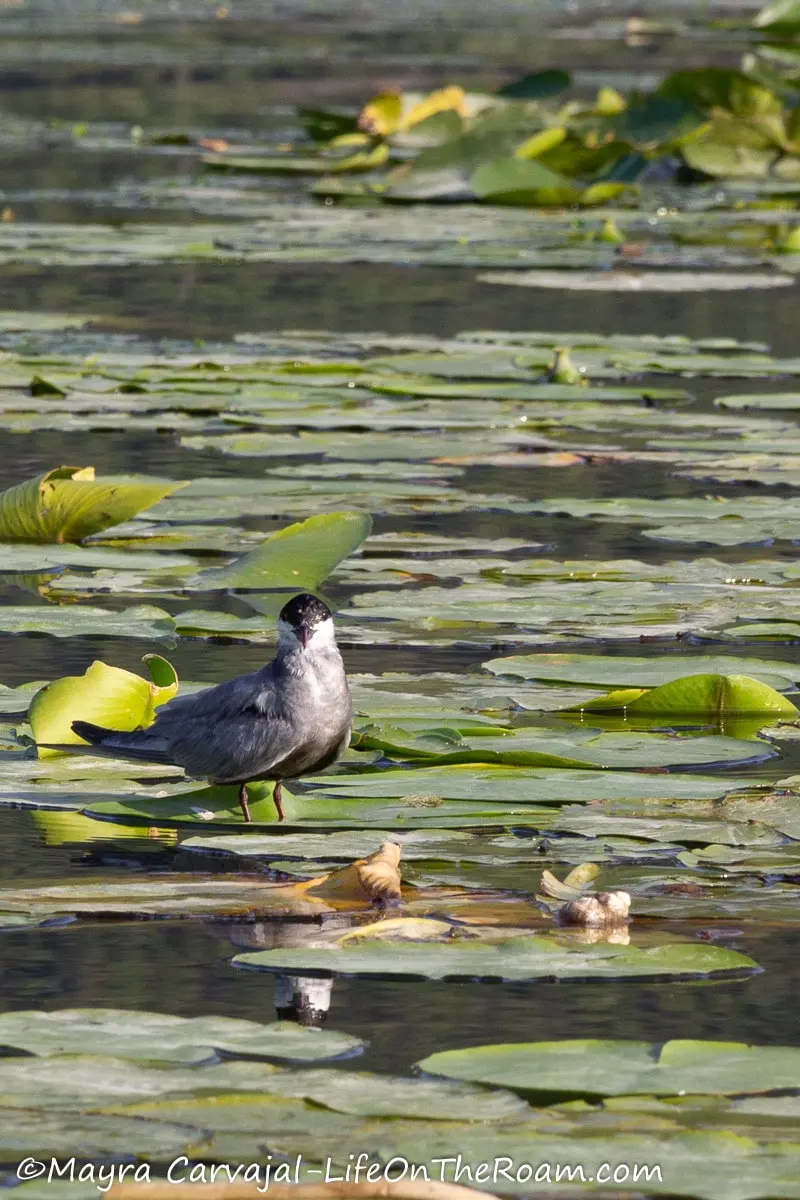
point(290, 718)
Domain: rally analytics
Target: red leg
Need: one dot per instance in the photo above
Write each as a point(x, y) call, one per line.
point(276, 796)
point(243, 802)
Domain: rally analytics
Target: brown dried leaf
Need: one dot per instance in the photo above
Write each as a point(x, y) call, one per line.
point(376, 878)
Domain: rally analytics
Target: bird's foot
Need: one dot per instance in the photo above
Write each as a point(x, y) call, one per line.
point(244, 805)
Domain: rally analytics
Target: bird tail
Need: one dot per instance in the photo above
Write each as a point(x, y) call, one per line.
point(91, 733)
point(139, 745)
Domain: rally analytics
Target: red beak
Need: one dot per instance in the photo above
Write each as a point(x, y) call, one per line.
point(303, 634)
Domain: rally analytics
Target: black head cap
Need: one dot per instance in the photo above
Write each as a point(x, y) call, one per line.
point(304, 612)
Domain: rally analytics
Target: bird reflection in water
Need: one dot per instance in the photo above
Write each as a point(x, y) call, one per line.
point(304, 999)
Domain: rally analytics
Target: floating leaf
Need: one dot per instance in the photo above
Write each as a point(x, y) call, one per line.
point(520, 958)
point(143, 621)
point(708, 696)
point(783, 14)
point(617, 672)
point(537, 86)
point(67, 504)
point(104, 695)
point(501, 785)
point(300, 556)
point(640, 281)
point(520, 181)
point(720, 160)
point(575, 748)
point(360, 1093)
point(769, 400)
point(592, 1068)
point(78, 1081)
point(161, 1037)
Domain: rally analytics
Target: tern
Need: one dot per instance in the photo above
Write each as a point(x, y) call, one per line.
point(290, 718)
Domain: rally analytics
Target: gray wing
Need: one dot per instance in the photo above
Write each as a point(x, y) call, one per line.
point(230, 732)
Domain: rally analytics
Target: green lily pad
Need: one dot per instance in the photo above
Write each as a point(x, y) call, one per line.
point(17, 700)
point(37, 322)
point(518, 181)
point(176, 897)
point(520, 958)
point(300, 556)
point(576, 748)
point(19, 556)
point(618, 672)
point(726, 533)
point(769, 400)
point(67, 504)
point(334, 810)
point(699, 695)
point(514, 785)
point(359, 1093)
point(79, 1081)
point(143, 621)
point(159, 1037)
point(53, 1134)
point(591, 1068)
point(105, 695)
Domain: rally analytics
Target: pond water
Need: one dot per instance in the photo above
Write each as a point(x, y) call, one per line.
point(241, 75)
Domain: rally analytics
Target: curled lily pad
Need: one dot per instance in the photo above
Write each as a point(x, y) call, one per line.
point(713, 696)
point(67, 504)
point(299, 556)
point(105, 695)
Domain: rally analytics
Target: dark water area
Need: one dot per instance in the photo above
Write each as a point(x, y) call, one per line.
point(214, 301)
point(248, 75)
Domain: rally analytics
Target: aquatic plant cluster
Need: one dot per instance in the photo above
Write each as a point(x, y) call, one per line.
point(532, 144)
